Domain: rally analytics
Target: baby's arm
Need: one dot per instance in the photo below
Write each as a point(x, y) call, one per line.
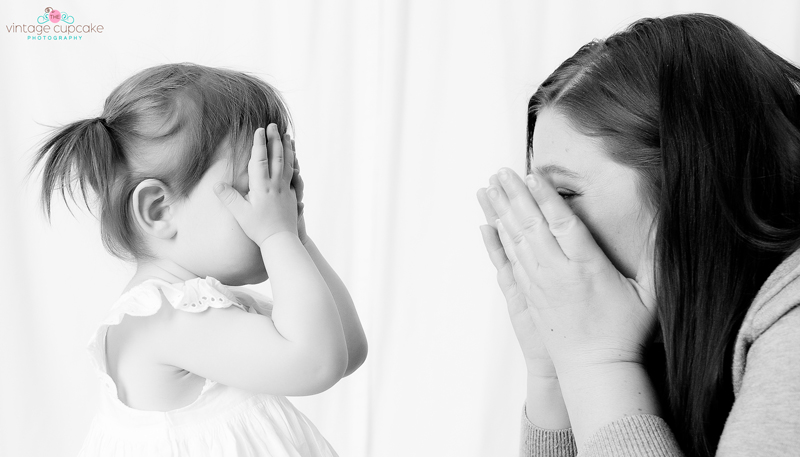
point(301, 350)
point(353, 332)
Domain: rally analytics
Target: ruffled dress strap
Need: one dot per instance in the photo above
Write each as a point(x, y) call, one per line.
point(223, 420)
point(193, 296)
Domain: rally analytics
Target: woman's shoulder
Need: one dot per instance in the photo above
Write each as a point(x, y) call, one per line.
point(778, 296)
point(776, 311)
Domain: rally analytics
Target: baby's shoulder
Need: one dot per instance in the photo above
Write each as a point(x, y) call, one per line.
point(133, 335)
point(155, 306)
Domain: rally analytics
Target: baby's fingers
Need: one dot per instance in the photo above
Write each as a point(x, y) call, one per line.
point(232, 199)
point(297, 184)
point(258, 166)
point(288, 157)
point(276, 154)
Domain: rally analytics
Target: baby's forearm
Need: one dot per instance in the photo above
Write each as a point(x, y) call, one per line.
point(304, 310)
point(351, 324)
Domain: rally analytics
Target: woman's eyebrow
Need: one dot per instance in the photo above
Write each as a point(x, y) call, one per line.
point(557, 169)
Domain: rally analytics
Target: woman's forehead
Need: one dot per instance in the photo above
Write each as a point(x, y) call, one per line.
point(559, 148)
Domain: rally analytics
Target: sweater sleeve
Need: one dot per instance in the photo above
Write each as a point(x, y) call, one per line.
point(765, 418)
point(635, 436)
point(540, 442)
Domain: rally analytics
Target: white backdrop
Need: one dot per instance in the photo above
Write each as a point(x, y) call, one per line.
point(402, 111)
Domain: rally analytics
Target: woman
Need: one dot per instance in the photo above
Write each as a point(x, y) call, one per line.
point(649, 259)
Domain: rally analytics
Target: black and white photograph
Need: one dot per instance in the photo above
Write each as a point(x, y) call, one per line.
point(389, 228)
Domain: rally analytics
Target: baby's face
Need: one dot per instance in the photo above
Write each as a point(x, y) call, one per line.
point(210, 241)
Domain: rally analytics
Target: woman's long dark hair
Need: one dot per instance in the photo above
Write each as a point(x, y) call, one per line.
point(710, 119)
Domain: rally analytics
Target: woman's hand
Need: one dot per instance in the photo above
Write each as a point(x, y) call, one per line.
point(271, 206)
point(589, 312)
point(544, 404)
point(537, 360)
point(595, 322)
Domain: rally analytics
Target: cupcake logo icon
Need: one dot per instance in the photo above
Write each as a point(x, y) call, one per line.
point(55, 16)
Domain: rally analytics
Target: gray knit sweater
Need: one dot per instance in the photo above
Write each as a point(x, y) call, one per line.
point(765, 419)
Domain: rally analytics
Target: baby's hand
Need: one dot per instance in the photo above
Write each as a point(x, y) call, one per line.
point(297, 185)
point(271, 206)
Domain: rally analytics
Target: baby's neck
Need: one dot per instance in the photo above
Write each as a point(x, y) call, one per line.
point(158, 269)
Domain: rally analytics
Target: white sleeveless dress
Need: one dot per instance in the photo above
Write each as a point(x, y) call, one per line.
point(222, 421)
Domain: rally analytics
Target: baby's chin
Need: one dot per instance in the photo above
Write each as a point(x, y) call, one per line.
point(240, 278)
point(255, 278)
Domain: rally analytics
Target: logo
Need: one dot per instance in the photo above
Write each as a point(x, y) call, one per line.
point(55, 25)
point(55, 16)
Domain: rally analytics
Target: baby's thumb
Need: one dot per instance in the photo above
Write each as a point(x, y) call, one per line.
point(230, 197)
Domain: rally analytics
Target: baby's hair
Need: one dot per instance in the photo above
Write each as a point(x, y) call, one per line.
point(165, 123)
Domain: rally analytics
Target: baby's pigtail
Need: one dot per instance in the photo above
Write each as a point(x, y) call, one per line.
point(84, 151)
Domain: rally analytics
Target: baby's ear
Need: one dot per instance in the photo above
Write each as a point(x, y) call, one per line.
point(152, 209)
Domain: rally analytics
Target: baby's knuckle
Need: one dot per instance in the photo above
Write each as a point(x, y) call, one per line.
point(228, 197)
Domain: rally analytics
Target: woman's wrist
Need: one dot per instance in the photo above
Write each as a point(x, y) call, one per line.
point(544, 404)
point(597, 395)
point(540, 368)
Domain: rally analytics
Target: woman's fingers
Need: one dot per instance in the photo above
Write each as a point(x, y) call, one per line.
point(258, 165)
point(515, 237)
point(488, 210)
point(493, 246)
point(522, 315)
point(532, 224)
point(276, 154)
point(572, 235)
point(505, 274)
point(521, 276)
